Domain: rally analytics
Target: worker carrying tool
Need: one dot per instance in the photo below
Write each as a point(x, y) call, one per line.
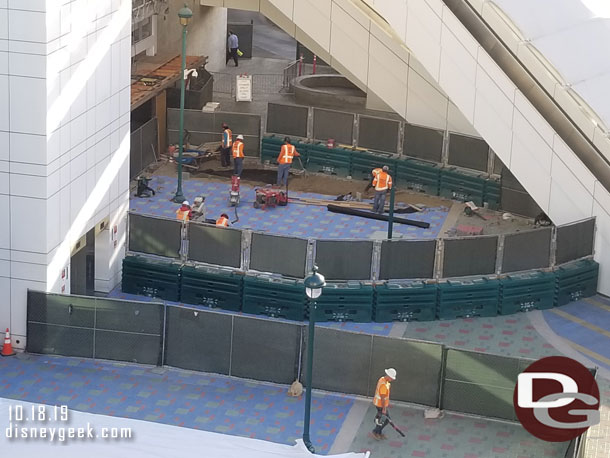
point(287, 154)
point(223, 221)
point(374, 173)
point(382, 183)
point(225, 145)
point(238, 155)
point(381, 400)
point(184, 213)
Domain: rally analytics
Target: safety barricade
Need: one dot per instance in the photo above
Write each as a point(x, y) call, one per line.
point(467, 298)
point(351, 301)
point(526, 291)
point(417, 175)
point(274, 297)
point(331, 161)
point(462, 185)
point(212, 287)
point(405, 301)
point(149, 277)
point(575, 281)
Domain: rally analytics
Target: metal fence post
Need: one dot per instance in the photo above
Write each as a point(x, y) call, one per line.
point(438, 259)
point(246, 243)
point(376, 260)
point(500, 254)
point(445, 152)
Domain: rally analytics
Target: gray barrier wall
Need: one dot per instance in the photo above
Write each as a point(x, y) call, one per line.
point(423, 143)
point(468, 152)
point(206, 127)
point(287, 119)
point(144, 141)
point(358, 259)
point(429, 374)
point(333, 124)
point(378, 134)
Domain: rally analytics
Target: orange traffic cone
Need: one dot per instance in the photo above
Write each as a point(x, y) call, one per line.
point(7, 349)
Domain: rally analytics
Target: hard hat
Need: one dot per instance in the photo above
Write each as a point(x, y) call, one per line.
point(240, 137)
point(391, 372)
point(186, 202)
point(385, 168)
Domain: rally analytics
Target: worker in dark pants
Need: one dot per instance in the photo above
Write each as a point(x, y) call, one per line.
point(381, 401)
point(382, 183)
point(225, 145)
point(238, 155)
point(232, 47)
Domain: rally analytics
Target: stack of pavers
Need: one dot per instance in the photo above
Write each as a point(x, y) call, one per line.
point(575, 281)
point(213, 287)
point(526, 291)
point(468, 297)
point(274, 296)
point(150, 277)
point(351, 301)
point(405, 301)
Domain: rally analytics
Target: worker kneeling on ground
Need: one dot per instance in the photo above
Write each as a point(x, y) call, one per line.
point(184, 213)
point(238, 155)
point(382, 183)
point(223, 221)
point(287, 154)
point(382, 402)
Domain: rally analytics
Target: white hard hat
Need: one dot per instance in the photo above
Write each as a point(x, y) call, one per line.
point(240, 137)
point(391, 372)
point(186, 202)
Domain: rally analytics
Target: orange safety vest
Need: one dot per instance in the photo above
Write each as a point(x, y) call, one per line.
point(229, 141)
point(383, 389)
point(222, 221)
point(182, 215)
point(382, 181)
point(287, 153)
point(238, 149)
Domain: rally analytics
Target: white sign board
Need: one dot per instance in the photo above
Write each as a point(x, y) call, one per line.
point(243, 85)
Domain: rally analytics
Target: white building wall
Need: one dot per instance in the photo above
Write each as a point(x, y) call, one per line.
point(387, 61)
point(64, 141)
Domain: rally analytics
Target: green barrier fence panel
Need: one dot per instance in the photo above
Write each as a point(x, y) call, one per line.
point(417, 175)
point(331, 161)
point(351, 301)
point(212, 287)
point(148, 277)
point(462, 185)
point(492, 193)
point(468, 297)
point(363, 162)
point(526, 291)
point(274, 297)
point(405, 301)
point(576, 280)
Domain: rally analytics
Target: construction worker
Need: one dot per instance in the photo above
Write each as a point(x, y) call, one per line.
point(382, 183)
point(184, 213)
point(225, 145)
point(223, 221)
point(381, 400)
point(238, 155)
point(287, 154)
point(374, 173)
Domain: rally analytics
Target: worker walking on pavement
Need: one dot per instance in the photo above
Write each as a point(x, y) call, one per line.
point(287, 154)
point(381, 400)
point(184, 213)
point(225, 145)
point(382, 183)
point(223, 221)
point(238, 155)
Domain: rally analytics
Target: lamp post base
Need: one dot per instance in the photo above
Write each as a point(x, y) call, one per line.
point(309, 445)
point(178, 198)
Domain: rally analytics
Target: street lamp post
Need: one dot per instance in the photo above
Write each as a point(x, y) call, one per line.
point(185, 15)
point(313, 289)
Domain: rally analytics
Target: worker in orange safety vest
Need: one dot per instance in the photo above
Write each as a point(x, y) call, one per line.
point(381, 400)
point(238, 155)
point(287, 154)
point(374, 173)
point(184, 213)
point(223, 221)
point(382, 183)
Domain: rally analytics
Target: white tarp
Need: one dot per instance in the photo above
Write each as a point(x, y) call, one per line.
point(573, 35)
point(149, 439)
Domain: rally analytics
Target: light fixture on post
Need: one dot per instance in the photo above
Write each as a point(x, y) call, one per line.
point(185, 15)
point(313, 289)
